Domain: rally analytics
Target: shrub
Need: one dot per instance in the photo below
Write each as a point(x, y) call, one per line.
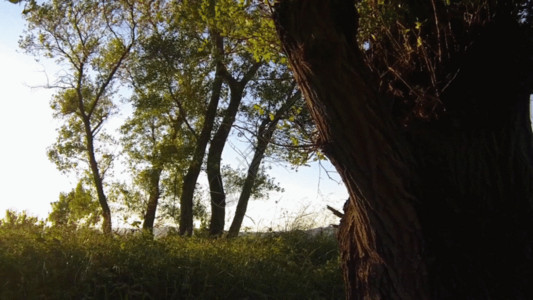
point(63, 263)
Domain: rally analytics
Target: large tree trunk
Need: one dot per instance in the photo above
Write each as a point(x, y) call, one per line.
point(442, 209)
point(476, 173)
point(214, 157)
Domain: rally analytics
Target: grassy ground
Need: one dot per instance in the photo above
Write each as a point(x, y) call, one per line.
point(37, 262)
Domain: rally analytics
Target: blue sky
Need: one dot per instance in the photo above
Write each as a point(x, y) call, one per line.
point(28, 181)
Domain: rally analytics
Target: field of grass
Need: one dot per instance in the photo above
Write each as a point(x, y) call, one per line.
point(38, 262)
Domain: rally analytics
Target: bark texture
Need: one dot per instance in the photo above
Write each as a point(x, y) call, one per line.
point(381, 239)
point(441, 209)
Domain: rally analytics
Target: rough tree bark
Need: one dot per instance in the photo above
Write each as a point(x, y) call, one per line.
point(438, 210)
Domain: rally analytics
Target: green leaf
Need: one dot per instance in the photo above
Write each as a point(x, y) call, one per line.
point(418, 41)
point(294, 141)
point(259, 109)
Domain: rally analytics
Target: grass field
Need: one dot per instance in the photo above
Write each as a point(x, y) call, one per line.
point(39, 262)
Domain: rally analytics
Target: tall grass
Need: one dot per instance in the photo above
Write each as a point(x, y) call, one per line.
point(37, 262)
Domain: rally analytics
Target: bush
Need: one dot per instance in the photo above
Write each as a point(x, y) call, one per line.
point(52, 263)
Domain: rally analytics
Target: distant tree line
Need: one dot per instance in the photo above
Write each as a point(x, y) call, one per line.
point(193, 73)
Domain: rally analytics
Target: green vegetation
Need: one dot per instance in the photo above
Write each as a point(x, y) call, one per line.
point(183, 79)
point(40, 262)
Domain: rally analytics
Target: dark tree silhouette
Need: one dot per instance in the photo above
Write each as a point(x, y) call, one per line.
point(427, 121)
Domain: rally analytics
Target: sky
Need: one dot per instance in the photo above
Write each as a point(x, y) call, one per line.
point(30, 182)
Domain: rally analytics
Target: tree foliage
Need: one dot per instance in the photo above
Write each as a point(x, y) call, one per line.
point(78, 207)
point(92, 40)
point(415, 46)
point(195, 70)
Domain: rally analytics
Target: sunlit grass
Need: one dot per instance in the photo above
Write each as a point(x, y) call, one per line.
point(37, 262)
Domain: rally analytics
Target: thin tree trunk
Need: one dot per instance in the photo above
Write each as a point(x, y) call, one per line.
point(151, 207)
point(97, 178)
point(264, 136)
point(214, 157)
point(89, 143)
point(189, 182)
point(246, 191)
